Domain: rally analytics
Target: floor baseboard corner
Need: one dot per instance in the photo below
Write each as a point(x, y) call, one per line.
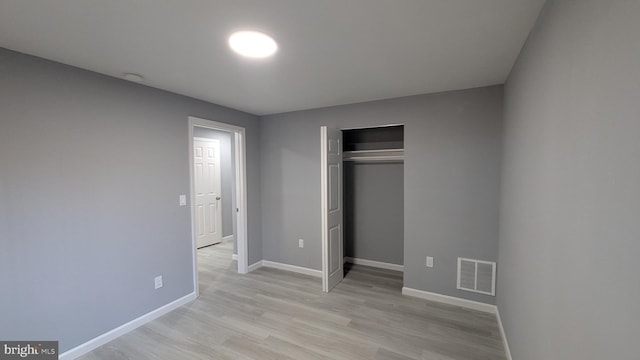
point(256, 265)
point(469, 304)
point(125, 328)
point(507, 350)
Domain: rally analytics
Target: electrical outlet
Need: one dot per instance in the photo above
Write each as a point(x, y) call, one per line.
point(158, 282)
point(429, 261)
point(183, 200)
point(300, 243)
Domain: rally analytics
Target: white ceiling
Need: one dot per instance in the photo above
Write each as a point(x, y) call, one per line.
point(331, 51)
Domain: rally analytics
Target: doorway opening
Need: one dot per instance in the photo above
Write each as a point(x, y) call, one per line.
point(217, 171)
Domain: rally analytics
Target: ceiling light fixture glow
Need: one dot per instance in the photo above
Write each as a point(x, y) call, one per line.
point(252, 44)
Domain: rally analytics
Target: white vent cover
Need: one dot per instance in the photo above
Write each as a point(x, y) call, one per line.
point(477, 276)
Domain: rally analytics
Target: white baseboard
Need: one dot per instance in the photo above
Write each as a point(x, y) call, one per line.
point(228, 238)
point(286, 267)
point(470, 304)
point(292, 268)
point(504, 336)
point(254, 266)
point(372, 263)
point(123, 329)
point(234, 257)
point(451, 300)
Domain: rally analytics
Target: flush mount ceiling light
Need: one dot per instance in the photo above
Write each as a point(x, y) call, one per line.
point(252, 44)
point(133, 77)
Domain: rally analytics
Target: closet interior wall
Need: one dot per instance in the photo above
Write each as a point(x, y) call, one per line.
point(374, 194)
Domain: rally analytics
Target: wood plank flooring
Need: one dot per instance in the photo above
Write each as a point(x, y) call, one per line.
point(274, 314)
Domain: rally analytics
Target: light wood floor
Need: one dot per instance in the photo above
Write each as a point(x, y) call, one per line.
point(274, 314)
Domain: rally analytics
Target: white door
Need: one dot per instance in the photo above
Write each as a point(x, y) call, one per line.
point(207, 191)
point(331, 172)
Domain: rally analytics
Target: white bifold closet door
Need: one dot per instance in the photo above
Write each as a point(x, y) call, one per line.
point(331, 172)
point(208, 214)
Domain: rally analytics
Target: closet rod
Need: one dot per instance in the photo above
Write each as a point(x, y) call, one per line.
point(373, 151)
point(375, 158)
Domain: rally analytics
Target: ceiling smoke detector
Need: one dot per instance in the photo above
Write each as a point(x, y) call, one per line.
point(133, 77)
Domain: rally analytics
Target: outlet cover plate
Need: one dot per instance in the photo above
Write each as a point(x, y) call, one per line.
point(429, 261)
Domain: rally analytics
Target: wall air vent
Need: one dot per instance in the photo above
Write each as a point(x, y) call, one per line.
point(477, 276)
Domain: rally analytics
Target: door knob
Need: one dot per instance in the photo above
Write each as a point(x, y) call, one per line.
point(217, 197)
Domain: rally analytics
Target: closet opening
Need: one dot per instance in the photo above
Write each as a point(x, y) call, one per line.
point(373, 197)
point(363, 203)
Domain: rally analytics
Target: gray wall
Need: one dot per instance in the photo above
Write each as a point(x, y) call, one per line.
point(227, 174)
point(451, 181)
point(373, 211)
point(570, 235)
point(91, 169)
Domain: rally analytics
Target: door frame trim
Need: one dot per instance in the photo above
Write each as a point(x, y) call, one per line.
point(324, 208)
point(240, 162)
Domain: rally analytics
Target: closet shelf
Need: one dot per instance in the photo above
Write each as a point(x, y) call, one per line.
point(384, 155)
